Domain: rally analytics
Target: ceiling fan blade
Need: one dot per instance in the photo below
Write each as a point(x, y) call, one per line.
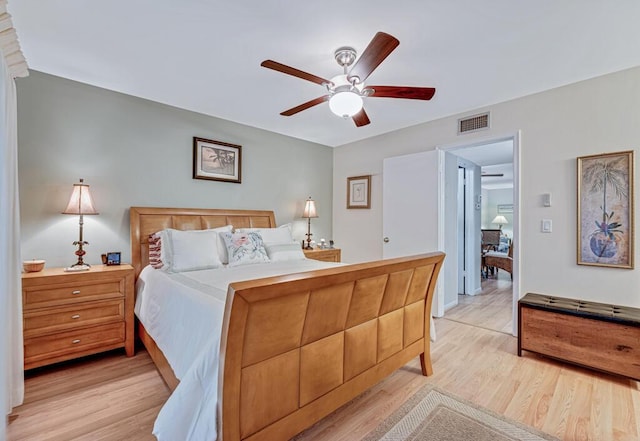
point(270, 64)
point(407, 92)
point(379, 48)
point(361, 118)
point(305, 106)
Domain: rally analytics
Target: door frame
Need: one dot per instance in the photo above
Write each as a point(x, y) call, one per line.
point(515, 137)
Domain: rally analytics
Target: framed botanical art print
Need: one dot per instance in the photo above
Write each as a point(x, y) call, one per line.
point(605, 210)
point(216, 161)
point(359, 192)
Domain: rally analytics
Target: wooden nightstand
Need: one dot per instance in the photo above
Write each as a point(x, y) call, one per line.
point(326, 255)
point(71, 314)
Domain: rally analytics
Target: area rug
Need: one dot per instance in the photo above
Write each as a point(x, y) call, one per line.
point(434, 415)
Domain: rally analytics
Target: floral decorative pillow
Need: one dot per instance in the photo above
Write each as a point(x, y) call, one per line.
point(245, 248)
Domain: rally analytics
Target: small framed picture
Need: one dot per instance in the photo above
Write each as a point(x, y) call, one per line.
point(216, 161)
point(359, 192)
point(113, 258)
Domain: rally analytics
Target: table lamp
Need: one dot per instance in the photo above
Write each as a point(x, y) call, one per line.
point(308, 213)
point(500, 220)
point(81, 203)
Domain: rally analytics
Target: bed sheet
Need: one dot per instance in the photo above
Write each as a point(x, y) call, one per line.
point(195, 301)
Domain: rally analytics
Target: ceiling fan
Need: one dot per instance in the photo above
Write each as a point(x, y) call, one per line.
point(345, 92)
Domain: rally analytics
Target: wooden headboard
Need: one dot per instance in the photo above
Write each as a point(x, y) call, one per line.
point(147, 220)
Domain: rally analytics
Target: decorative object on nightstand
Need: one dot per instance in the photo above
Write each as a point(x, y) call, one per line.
point(33, 266)
point(80, 203)
point(308, 213)
point(68, 315)
point(500, 220)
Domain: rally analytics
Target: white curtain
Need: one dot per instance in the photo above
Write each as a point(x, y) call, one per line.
point(12, 64)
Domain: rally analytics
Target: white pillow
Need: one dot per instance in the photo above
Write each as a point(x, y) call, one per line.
point(245, 248)
point(271, 235)
point(222, 247)
point(279, 252)
point(193, 250)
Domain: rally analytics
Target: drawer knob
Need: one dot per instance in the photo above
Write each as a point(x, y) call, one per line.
point(75, 292)
point(75, 316)
point(76, 341)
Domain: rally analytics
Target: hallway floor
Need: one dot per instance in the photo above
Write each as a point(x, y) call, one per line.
point(491, 309)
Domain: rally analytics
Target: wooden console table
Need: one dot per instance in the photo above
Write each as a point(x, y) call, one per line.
point(594, 335)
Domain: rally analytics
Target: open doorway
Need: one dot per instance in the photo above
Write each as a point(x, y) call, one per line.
point(493, 305)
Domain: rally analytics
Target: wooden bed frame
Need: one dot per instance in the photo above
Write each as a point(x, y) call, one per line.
point(295, 348)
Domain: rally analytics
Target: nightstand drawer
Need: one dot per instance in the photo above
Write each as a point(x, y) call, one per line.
point(325, 255)
point(37, 322)
point(64, 294)
point(64, 345)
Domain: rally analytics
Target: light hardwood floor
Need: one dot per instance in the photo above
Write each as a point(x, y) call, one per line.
point(112, 397)
point(491, 309)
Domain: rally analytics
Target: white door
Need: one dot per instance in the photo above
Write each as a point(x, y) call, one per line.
point(410, 207)
point(410, 204)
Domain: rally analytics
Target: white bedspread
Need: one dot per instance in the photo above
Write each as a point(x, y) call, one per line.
point(183, 313)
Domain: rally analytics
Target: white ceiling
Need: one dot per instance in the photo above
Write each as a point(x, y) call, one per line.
point(205, 55)
point(493, 158)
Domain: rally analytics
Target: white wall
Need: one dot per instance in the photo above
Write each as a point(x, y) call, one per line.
point(590, 117)
point(134, 152)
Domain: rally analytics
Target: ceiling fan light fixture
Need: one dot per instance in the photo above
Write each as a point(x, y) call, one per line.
point(345, 104)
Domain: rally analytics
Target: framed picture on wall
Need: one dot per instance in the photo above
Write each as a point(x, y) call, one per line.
point(217, 161)
point(605, 210)
point(359, 192)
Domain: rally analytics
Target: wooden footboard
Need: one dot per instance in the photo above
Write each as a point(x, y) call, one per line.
point(295, 348)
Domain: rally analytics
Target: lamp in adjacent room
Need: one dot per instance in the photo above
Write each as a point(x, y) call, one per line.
point(81, 203)
point(500, 220)
point(308, 213)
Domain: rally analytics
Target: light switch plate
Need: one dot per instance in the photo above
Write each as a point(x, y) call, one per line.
point(546, 199)
point(547, 225)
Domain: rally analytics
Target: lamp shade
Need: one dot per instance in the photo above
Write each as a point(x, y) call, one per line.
point(345, 104)
point(310, 209)
point(81, 201)
point(500, 220)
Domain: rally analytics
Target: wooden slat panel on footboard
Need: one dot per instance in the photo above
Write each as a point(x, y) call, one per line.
point(294, 348)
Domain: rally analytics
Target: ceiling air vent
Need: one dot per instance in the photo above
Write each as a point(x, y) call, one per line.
point(473, 123)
